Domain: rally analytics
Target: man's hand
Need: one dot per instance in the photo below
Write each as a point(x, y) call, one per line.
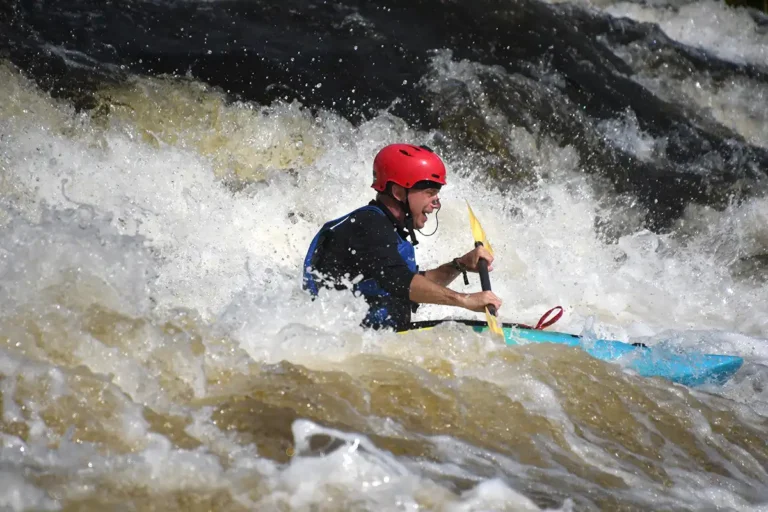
point(425, 291)
point(470, 259)
point(478, 301)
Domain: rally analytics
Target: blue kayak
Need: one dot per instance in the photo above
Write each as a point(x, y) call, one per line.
point(689, 368)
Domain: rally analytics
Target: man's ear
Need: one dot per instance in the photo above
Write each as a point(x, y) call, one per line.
point(398, 192)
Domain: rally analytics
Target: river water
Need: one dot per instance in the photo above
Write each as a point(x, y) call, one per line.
point(164, 165)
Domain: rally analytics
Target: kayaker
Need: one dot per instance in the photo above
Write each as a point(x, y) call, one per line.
point(368, 251)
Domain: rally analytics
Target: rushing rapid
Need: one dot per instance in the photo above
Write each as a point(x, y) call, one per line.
point(164, 166)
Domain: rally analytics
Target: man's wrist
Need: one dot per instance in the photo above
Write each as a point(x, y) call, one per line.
point(458, 265)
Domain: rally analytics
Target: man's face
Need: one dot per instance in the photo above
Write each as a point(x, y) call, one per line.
point(422, 203)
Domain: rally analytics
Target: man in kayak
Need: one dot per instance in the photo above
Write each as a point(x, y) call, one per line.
point(367, 250)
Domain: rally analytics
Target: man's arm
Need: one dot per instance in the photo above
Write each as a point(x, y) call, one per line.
point(425, 291)
point(443, 275)
point(446, 273)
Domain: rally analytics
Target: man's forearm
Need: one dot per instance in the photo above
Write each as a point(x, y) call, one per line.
point(442, 275)
point(425, 290)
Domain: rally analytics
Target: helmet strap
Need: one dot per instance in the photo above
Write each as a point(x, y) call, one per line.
point(409, 221)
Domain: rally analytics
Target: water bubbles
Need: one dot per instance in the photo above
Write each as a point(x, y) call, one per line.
point(84, 215)
point(191, 250)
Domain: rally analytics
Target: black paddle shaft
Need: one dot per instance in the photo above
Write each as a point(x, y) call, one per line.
point(485, 280)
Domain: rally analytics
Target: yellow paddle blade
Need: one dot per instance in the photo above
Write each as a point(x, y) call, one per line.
point(477, 230)
point(479, 236)
point(493, 324)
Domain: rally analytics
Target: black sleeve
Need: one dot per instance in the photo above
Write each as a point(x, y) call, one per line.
point(373, 243)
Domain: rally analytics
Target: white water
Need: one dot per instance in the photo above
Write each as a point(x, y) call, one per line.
point(729, 33)
point(136, 220)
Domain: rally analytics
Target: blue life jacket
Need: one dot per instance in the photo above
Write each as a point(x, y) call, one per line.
point(376, 317)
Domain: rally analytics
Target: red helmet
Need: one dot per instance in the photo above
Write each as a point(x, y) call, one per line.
point(406, 165)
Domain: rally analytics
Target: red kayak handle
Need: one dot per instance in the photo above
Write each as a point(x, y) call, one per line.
point(543, 323)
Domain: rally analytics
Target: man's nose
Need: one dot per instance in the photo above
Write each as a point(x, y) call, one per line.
point(436, 203)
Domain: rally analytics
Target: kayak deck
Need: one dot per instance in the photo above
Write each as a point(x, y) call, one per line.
point(690, 368)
